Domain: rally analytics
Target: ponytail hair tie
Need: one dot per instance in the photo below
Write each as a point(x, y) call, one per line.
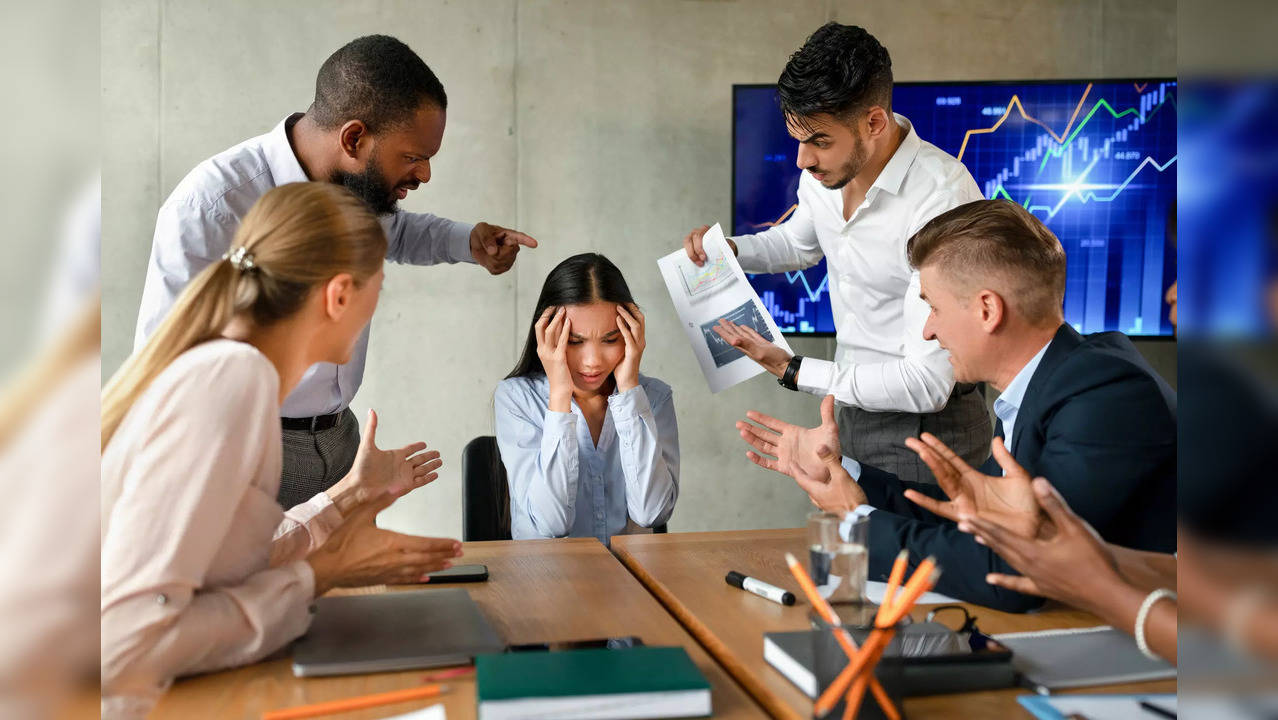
point(241, 259)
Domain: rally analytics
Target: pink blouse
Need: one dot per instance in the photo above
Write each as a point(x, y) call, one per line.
point(201, 570)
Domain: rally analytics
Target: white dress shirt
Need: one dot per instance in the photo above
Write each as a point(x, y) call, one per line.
point(198, 221)
point(563, 485)
point(882, 362)
point(201, 569)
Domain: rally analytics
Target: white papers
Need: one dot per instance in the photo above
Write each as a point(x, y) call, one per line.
point(1098, 707)
point(875, 589)
point(434, 712)
point(703, 295)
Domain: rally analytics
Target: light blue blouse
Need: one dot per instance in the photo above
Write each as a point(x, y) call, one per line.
point(562, 485)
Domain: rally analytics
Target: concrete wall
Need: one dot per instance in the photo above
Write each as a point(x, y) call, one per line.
point(593, 126)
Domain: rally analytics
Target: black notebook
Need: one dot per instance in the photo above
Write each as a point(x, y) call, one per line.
point(792, 655)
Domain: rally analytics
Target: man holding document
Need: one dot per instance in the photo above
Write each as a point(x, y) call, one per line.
point(870, 183)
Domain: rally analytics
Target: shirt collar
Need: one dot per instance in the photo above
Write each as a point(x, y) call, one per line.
point(1013, 396)
point(893, 174)
point(280, 158)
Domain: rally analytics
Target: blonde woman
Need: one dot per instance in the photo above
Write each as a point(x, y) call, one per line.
point(201, 569)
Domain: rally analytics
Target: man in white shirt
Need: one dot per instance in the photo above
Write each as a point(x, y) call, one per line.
point(870, 184)
point(377, 120)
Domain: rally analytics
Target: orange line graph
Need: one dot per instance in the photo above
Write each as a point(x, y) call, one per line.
point(781, 219)
point(1141, 87)
point(1016, 101)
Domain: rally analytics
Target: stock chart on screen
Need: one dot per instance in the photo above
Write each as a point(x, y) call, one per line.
point(1095, 161)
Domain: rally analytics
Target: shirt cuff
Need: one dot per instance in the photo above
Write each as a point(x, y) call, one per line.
point(850, 519)
point(558, 426)
point(815, 376)
point(853, 467)
point(747, 253)
point(459, 242)
point(629, 404)
point(306, 574)
point(320, 516)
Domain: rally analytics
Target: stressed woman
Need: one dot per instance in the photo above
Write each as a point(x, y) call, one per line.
point(590, 446)
point(201, 570)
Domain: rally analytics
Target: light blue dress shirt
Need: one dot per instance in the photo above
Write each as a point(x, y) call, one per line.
point(563, 485)
point(1009, 402)
point(197, 224)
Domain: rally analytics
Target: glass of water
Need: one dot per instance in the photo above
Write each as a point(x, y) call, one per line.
point(838, 564)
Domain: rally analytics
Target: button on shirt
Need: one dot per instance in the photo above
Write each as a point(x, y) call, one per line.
point(1009, 402)
point(882, 362)
point(197, 223)
point(563, 485)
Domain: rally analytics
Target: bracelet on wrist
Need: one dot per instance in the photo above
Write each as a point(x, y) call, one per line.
point(1142, 617)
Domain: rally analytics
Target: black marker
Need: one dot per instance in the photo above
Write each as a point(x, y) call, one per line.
point(760, 588)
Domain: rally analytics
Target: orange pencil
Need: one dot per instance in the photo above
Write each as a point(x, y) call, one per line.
point(924, 577)
point(894, 580)
point(354, 703)
point(844, 639)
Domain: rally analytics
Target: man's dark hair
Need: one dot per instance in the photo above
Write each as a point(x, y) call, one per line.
point(999, 245)
point(841, 69)
point(375, 79)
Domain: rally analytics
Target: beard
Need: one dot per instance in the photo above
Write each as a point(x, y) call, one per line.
point(371, 186)
point(850, 169)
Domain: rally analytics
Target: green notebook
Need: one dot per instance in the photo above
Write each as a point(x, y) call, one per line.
point(639, 682)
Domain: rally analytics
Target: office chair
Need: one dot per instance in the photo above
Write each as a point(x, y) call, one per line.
point(486, 493)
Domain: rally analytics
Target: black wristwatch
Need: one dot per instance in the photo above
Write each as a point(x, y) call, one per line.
point(789, 378)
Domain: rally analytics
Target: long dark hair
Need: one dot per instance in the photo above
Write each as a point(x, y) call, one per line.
point(580, 279)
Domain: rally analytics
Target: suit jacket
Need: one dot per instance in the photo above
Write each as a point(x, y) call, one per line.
point(1098, 423)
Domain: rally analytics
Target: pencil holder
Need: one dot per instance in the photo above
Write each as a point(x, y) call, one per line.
point(830, 660)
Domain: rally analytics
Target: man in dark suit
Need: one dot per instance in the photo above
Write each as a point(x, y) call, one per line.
point(1086, 412)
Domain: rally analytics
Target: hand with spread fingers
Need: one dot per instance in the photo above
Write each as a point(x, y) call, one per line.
point(495, 247)
point(1007, 499)
point(630, 322)
point(811, 456)
point(376, 471)
point(754, 346)
point(358, 553)
point(1050, 564)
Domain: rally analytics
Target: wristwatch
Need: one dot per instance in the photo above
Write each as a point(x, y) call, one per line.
point(789, 378)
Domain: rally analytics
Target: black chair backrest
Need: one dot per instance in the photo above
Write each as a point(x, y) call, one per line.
point(486, 492)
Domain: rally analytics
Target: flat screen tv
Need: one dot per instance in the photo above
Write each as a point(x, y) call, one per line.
point(1094, 160)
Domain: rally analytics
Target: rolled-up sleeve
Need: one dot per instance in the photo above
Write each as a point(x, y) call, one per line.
point(304, 529)
point(539, 450)
point(425, 239)
point(648, 435)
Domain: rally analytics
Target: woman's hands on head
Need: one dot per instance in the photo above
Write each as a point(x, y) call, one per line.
point(631, 323)
point(552, 330)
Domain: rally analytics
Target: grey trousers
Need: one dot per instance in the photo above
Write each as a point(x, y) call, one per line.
point(315, 461)
point(878, 438)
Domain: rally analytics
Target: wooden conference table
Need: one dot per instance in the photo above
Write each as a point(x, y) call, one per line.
point(538, 591)
point(686, 572)
point(574, 589)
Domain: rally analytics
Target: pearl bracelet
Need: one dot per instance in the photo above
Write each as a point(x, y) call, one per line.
point(1143, 615)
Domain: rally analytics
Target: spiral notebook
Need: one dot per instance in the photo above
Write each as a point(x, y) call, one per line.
point(1078, 657)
